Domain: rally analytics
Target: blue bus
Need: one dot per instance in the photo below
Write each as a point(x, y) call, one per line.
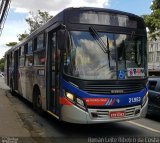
point(85, 65)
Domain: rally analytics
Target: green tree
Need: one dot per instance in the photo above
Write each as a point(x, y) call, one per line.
point(2, 60)
point(2, 67)
point(34, 21)
point(22, 36)
point(2, 64)
point(11, 44)
point(153, 20)
point(37, 19)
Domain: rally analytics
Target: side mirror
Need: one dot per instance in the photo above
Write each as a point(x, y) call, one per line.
point(62, 39)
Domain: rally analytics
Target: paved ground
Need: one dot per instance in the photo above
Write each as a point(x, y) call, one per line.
point(3, 85)
point(11, 125)
point(18, 119)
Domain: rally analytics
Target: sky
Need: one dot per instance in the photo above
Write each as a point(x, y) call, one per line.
point(19, 10)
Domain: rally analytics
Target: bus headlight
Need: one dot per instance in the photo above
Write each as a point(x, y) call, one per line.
point(70, 96)
point(77, 101)
point(144, 99)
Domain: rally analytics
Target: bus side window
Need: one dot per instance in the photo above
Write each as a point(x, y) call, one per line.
point(39, 47)
point(21, 56)
point(39, 58)
point(29, 60)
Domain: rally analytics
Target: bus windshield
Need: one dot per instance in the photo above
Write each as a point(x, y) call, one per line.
point(86, 59)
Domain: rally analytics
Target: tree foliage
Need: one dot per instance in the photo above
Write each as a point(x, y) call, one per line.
point(11, 44)
point(34, 21)
point(37, 20)
point(22, 36)
point(153, 20)
point(2, 64)
point(2, 67)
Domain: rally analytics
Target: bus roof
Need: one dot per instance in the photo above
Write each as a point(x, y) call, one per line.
point(60, 18)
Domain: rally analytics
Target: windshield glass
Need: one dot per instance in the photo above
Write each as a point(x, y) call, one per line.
point(86, 60)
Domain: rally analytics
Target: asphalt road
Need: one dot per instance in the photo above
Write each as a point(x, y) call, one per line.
point(45, 128)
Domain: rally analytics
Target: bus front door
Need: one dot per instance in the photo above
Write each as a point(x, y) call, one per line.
point(52, 74)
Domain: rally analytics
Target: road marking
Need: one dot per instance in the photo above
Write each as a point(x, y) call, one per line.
point(140, 125)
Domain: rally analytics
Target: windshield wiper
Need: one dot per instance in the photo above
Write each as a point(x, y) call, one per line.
point(103, 46)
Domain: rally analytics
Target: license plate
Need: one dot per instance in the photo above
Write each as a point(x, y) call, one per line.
point(117, 114)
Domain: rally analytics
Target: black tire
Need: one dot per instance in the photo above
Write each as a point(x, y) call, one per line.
point(11, 88)
point(37, 101)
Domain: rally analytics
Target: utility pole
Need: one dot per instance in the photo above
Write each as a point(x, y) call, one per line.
point(4, 8)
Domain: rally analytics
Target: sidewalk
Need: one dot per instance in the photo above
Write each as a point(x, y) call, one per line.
point(10, 123)
point(3, 85)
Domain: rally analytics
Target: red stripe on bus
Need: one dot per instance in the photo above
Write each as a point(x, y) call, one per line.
point(96, 101)
point(64, 101)
point(113, 102)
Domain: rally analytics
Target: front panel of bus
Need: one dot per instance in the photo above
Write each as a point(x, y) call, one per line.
point(105, 69)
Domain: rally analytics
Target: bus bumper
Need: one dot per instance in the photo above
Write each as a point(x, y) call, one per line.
point(74, 114)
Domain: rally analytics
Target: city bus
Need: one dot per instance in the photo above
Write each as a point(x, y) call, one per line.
point(85, 65)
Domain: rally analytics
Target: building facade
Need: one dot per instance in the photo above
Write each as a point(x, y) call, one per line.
point(154, 55)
